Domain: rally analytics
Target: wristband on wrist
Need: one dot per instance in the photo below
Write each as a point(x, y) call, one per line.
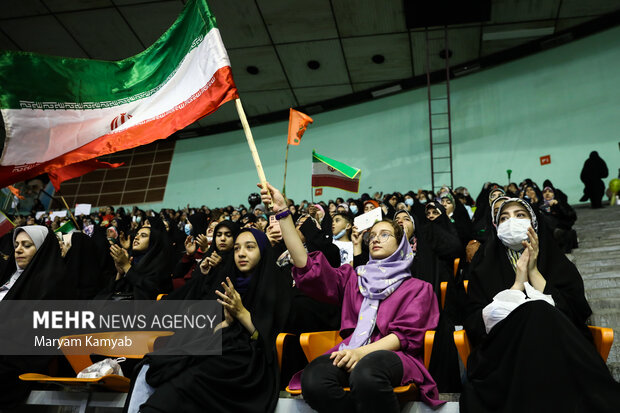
point(283, 214)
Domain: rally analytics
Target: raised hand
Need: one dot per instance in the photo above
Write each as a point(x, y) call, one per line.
point(205, 266)
point(121, 258)
point(214, 259)
point(230, 299)
point(272, 196)
point(532, 246)
point(124, 240)
point(522, 271)
point(190, 245)
point(203, 242)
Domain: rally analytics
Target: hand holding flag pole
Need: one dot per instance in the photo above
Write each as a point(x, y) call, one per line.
point(250, 139)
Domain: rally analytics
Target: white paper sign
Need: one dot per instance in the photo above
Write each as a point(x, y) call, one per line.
point(60, 214)
point(39, 214)
point(346, 251)
point(82, 209)
point(368, 219)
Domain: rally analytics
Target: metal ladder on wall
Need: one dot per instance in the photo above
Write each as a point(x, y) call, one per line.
point(439, 120)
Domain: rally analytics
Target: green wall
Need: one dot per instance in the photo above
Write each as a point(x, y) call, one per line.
point(562, 102)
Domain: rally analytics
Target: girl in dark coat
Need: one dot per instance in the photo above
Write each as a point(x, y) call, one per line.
point(245, 377)
point(526, 322)
point(437, 247)
point(146, 273)
point(198, 263)
point(560, 218)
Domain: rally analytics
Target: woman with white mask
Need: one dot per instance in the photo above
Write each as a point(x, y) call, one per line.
point(526, 321)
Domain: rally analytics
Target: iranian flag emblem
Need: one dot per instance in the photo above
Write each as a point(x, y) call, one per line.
point(119, 120)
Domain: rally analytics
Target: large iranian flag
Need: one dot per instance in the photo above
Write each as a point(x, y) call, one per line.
point(59, 111)
point(329, 172)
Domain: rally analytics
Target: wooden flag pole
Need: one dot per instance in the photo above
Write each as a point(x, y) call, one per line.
point(285, 168)
point(69, 211)
point(250, 139)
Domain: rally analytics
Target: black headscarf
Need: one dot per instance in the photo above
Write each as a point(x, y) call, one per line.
point(200, 223)
point(558, 193)
point(81, 261)
point(491, 272)
point(104, 261)
point(321, 239)
point(155, 222)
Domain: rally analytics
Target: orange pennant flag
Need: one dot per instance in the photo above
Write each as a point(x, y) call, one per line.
point(15, 192)
point(297, 124)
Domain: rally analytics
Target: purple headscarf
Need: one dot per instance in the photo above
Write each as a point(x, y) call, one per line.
point(377, 280)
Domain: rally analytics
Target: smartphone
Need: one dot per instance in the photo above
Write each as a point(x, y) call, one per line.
point(274, 222)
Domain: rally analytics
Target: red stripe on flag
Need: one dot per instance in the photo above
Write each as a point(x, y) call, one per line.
point(221, 91)
point(5, 226)
point(336, 182)
point(75, 170)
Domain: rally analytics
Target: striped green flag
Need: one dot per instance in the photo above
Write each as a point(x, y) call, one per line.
point(329, 172)
point(66, 228)
point(58, 111)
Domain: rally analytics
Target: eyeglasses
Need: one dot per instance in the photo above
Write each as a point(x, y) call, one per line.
point(382, 237)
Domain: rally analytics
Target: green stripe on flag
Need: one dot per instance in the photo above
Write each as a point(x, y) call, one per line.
point(348, 171)
point(66, 228)
point(39, 78)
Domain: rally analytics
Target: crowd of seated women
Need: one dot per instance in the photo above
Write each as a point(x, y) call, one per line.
point(278, 266)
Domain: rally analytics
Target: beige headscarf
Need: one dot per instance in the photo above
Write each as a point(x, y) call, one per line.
point(37, 234)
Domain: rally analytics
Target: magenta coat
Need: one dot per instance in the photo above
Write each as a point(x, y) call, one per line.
point(408, 313)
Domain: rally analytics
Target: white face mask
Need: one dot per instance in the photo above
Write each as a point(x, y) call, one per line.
point(512, 232)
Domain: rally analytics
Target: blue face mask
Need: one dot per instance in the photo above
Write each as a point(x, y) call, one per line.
point(340, 234)
point(409, 201)
point(422, 200)
point(97, 221)
point(188, 229)
point(353, 209)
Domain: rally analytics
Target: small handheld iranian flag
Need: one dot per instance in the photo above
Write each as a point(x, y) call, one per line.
point(59, 111)
point(329, 172)
point(6, 225)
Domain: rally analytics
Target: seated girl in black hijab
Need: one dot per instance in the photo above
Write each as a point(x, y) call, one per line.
point(526, 322)
point(34, 271)
point(146, 273)
point(245, 377)
point(219, 257)
point(560, 217)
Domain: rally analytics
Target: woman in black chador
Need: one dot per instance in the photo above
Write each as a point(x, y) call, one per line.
point(532, 351)
point(245, 377)
point(592, 174)
point(34, 271)
point(144, 272)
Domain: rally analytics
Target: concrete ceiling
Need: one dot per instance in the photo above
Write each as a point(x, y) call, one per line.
point(280, 37)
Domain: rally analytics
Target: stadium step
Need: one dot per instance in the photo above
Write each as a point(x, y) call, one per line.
point(598, 261)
